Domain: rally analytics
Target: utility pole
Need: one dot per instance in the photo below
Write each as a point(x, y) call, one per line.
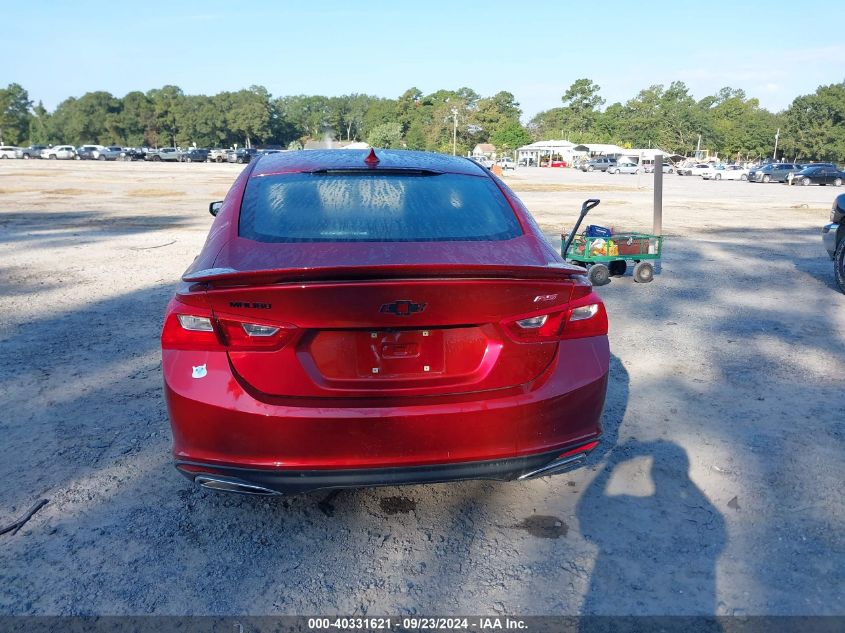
point(775, 153)
point(454, 131)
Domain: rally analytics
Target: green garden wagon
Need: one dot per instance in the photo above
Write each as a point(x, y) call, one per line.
point(604, 257)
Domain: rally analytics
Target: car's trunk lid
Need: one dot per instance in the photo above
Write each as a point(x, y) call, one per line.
point(388, 330)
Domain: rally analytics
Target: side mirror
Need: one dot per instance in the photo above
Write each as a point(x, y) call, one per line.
point(214, 207)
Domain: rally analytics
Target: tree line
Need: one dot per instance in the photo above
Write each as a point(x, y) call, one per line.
point(669, 117)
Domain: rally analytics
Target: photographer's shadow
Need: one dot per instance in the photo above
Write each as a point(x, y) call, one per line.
point(658, 535)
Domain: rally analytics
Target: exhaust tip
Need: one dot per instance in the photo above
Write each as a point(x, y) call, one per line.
point(232, 485)
point(556, 467)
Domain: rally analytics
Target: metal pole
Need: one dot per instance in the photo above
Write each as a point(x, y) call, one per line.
point(657, 228)
point(775, 153)
point(454, 131)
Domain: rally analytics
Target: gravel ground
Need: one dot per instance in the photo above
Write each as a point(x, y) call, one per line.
point(718, 489)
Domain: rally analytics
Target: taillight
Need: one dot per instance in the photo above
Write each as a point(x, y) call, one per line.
point(586, 317)
point(248, 336)
point(197, 328)
point(195, 323)
point(189, 327)
point(540, 327)
point(584, 312)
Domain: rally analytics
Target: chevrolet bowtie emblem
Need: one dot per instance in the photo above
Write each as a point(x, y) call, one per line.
point(403, 307)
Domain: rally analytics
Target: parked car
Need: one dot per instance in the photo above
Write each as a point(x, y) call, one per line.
point(241, 155)
point(625, 167)
point(33, 151)
point(818, 175)
point(134, 153)
point(300, 357)
point(667, 168)
point(773, 172)
point(87, 152)
point(695, 169)
point(484, 161)
point(8, 151)
point(170, 154)
point(59, 152)
point(833, 237)
point(98, 152)
point(506, 163)
point(194, 155)
point(805, 165)
point(603, 163)
point(112, 152)
point(725, 172)
point(217, 155)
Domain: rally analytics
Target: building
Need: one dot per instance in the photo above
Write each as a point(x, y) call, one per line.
point(646, 156)
point(488, 150)
point(531, 154)
point(591, 150)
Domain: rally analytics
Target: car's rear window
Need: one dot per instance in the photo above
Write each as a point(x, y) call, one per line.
point(375, 207)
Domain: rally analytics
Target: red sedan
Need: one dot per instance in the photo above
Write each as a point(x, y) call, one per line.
point(364, 319)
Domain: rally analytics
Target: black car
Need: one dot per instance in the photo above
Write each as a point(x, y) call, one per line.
point(833, 237)
point(242, 155)
point(818, 175)
point(194, 155)
point(134, 153)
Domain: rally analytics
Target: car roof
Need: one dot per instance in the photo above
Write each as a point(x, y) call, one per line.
point(314, 160)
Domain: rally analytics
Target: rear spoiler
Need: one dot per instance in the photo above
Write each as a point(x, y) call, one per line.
point(555, 271)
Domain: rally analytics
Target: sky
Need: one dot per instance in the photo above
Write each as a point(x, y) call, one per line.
point(533, 49)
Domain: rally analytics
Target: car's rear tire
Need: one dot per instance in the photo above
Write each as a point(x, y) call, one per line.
point(839, 265)
point(837, 182)
point(643, 272)
point(618, 267)
point(598, 274)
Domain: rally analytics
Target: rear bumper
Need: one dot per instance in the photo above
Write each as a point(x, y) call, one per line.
point(272, 482)
point(220, 428)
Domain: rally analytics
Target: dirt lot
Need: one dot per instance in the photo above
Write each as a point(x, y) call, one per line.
point(718, 490)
